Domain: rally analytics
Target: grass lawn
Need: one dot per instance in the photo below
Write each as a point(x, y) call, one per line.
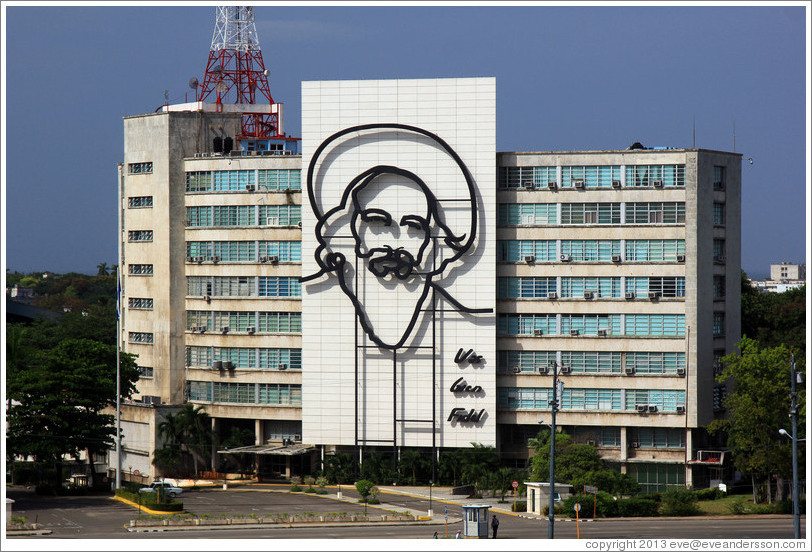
point(722, 506)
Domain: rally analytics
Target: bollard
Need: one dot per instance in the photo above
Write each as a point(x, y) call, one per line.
point(431, 514)
point(225, 486)
point(338, 494)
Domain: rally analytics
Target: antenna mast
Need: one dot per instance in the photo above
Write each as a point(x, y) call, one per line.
point(235, 72)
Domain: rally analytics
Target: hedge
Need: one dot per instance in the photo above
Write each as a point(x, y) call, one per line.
point(150, 500)
point(637, 507)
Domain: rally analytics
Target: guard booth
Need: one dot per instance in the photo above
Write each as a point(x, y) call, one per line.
point(475, 522)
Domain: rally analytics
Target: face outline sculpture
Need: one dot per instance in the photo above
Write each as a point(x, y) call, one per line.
point(394, 243)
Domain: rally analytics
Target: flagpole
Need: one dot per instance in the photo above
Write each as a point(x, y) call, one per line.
point(118, 330)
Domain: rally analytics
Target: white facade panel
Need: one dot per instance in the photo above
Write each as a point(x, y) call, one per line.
point(398, 224)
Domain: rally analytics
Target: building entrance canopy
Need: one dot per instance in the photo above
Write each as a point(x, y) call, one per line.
point(279, 450)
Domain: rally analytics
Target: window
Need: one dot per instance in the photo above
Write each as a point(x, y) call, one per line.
point(139, 235)
point(140, 168)
point(659, 437)
point(718, 214)
point(227, 251)
point(281, 394)
point(526, 324)
point(285, 251)
point(657, 478)
point(140, 337)
point(591, 177)
point(139, 202)
point(718, 250)
point(235, 321)
point(575, 287)
point(668, 286)
point(198, 216)
point(520, 177)
point(591, 399)
point(198, 181)
point(719, 180)
point(280, 322)
point(610, 437)
point(512, 398)
point(234, 215)
point(280, 215)
point(655, 324)
point(233, 392)
point(718, 286)
point(518, 250)
point(664, 400)
point(654, 250)
point(655, 213)
point(718, 365)
point(718, 324)
point(272, 359)
point(516, 214)
point(524, 361)
point(590, 250)
point(145, 372)
point(590, 213)
point(655, 362)
point(279, 179)
point(279, 286)
point(140, 303)
point(719, 397)
point(140, 269)
point(589, 324)
point(655, 175)
point(592, 362)
point(219, 181)
point(525, 287)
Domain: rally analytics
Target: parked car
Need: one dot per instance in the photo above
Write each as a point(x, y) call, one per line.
point(165, 486)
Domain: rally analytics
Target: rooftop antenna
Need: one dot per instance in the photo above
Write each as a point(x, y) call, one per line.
point(235, 72)
point(693, 135)
point(734, 136)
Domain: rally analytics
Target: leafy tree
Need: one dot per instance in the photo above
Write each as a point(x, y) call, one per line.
point(478, 463)
point(758, 406)
point(364, 488)
point(774, 319)
point(59, 395)
point(187, 434)
point(571, 459)
point(450, 465)
point(239, 437)
point(613, 482)
point(339, 467)
point(411, 461)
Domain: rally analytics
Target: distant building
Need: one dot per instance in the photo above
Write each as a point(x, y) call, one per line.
point(787, 271)
point(20, 292)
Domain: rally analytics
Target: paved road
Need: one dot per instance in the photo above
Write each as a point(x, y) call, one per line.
point(100, 517)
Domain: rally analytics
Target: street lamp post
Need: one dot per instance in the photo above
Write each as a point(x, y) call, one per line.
point(553, 408)
point(793, 412)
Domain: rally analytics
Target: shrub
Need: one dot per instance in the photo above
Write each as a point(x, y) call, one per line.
point(714, 493)
point(558, 510)
point(309, 480)
point(604, 503)
point(310, 490)
point(679, 502)
point(321, 482)
point(519, 506)
point(295, 489)
point(737, 506)
point(637, 507)
point(364, 487)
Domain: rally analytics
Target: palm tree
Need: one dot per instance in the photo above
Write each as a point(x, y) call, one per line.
point(104, 270)
point(198, 436)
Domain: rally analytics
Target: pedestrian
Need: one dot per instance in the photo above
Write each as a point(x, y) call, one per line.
point(495, 525)
point(459, 534)
point(435, 535)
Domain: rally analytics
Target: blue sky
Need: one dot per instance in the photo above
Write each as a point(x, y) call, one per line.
point(572, 77)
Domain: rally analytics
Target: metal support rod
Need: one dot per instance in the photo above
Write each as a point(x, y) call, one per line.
point(796, 512)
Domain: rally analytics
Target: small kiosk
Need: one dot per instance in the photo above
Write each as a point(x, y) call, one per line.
point(475, 522)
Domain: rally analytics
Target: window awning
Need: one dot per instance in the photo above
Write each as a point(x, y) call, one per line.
point(278, 450)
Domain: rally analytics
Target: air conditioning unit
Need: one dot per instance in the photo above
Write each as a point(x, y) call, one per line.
point(603, 333)
point(190, 259)
point(566, 369)
point(297, 438)
point(635, 444)
point(552, 185)
point(529, 259)
point(630, 370)
point(201, 329)
point(575, 332)
point(207, 298)
point(657, 183)
point(217, 365)
point(591, 442)
point(299, 224)
point(616, 183)
point(250, 187)
point(589, 295)
point(538, 333)
point(272, 221)
point(616, 258)
point(225, 329)
point(641, 407)
point(516, 369)
point(652, 408)
point(283, 366)
point(273, 259)
point(680, 371)
point(552, 295)
point(653, 295)
point(215, 259)
point(680, 409)
point(199, 260)
point(719, 259)
point(543, 369)
point(228, 365)
point(565, 258)
point(150, 399)
point(528, 185)
point(263, 259)
point(251, 329)
point(680, 258)
point(578, 183)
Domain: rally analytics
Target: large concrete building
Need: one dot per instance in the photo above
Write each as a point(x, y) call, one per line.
point(620, 267)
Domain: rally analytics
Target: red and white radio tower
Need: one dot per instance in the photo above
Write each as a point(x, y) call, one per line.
point(235, 72)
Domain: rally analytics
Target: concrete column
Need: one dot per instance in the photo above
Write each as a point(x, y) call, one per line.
point(258, 440)
point(287, 467)
point(689, 445)
point(624, 448)
point(213, 447)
